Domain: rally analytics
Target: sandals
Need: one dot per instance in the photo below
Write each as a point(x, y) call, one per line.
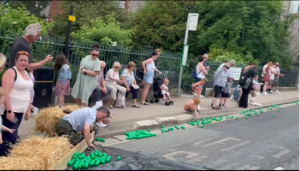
point(135, 105)
point(215, 108)
point(145, 103)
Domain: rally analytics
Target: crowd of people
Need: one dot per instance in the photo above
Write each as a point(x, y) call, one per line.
point(109, 91)
point(223, 81)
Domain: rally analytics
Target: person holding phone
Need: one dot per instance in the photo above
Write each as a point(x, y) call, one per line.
point(86, 80)
point(31, 34)
point(17, 85)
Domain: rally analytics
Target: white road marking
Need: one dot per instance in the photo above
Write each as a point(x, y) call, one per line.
point(221, 141)
point(189, 155)
point(237, 146)
point(278, 155)
point(279, 168)
point(202, 141)
point(228, 167)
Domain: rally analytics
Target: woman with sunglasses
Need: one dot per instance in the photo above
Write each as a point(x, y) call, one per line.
point(220, 81)
point(17, 85)
point(149, 68)
point(86, 80)
point(112, 79)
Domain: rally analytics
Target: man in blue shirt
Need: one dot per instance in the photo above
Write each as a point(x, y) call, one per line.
point(81, 121)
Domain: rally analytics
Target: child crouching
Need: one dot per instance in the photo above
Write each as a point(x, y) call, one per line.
point(191, 106)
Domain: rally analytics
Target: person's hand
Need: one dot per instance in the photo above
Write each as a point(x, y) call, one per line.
point(63, 87)
point(92, 146)
point(207, 67)
point(282, 75)
point(229, 91)
point(106, 121)
point(128, 89)
point(83, 71)
point(48, 58)
point(145, 72)
point(159, 72)
point(1, 141)
point(104, 90)
point(11, 131)
point(99, 86)
point(27, 116)
point(120, 81)
point(10, 116)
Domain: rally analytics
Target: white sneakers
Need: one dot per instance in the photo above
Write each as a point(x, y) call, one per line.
point(199, 108)
point(101, 124)
point(265, 93)
point(258, 93)
point(272, 92)
point(277, 92)
point(35, 111)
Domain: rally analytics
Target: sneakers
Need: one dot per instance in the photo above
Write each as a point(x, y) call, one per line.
point(265, 93)
point(101, 124)
point(277, 92)
point(199, 108)
point(257, 93)
point(35, 111)
point(136, 105)
point(271, 92)
point(201, 96)
point(222, 107)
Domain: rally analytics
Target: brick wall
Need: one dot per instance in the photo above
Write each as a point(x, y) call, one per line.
point(54, 9)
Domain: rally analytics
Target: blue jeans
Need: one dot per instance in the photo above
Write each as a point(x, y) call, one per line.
point(197, 79)
point(99, 95)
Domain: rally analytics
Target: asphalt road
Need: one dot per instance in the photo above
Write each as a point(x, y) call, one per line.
point(260, 142)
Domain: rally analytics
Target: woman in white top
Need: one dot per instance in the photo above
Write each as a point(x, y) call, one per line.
point(17, 85)
point(200, 69)
point(149, 68)
point(112, 79)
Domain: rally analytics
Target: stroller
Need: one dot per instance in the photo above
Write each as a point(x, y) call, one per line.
point(157, 82)
point(236, 93)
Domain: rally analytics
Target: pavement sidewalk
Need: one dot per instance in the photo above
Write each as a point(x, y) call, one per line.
point(155, 115)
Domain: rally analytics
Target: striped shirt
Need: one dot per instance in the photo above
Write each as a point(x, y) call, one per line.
point(100, 77)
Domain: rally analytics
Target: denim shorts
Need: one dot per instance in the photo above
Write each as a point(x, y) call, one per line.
point(148, 78)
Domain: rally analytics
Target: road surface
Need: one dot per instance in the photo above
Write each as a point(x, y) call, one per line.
point(260, 142)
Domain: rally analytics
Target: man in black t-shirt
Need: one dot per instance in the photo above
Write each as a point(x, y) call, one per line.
point(32, 34)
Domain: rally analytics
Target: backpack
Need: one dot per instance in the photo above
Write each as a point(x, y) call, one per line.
point(194, 74)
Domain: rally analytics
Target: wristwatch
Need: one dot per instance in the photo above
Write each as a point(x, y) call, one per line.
point(9, 111)
point(84, 73)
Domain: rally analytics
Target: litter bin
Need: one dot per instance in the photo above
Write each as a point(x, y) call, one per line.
point(43, 87)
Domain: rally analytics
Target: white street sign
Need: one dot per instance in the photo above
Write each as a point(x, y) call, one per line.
point(193, 21)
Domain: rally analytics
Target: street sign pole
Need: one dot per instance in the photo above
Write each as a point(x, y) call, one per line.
point(68, 33)
point(191, 25)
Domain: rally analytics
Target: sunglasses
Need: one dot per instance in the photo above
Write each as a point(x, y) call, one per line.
point(95, 55)
point(23, 53)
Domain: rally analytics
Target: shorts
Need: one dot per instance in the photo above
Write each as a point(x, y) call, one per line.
point(224, 95)
point(271, 82)
point(64, 128)
point(276, 82)
point(217, 91)
point(148, 78)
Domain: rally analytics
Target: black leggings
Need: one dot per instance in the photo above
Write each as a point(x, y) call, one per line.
point(7, 136)
point(244, 98)
point(135, 92)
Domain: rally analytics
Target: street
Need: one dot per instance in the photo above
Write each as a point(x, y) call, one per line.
point(258, 143)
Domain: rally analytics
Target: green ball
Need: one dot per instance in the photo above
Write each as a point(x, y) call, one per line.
point(163, 126)
point(119, 158)
point(149, 130)
point(278, 110)
point(237, 118)
point(247, 117)
point(97, 139)
point(272, 115)
point(202, 126)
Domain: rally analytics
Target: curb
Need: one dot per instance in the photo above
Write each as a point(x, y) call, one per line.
point(172, 120)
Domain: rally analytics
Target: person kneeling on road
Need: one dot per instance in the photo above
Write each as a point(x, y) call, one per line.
point(81, 121)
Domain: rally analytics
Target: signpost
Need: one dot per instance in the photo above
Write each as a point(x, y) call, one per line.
point(236, 72)
point(71, 19)
point(191, 25)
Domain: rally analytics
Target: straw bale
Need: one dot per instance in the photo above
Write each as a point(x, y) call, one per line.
point(22, 163)
point(49, 149)
point(47, 118)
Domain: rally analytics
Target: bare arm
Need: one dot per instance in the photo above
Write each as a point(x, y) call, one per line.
point(163, 88)
point(87, 133)
point(34, 66)
point(202, 68)
point(148, 61)
point(7, 84)
point(124, 81)
point(103, 83)
point(112, 78)
point(92, 73)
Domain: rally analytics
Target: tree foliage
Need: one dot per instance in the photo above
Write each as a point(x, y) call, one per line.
point(16, 20)
point(85, 12)
point(107, 33)
point(33, 7)
point(245, 28)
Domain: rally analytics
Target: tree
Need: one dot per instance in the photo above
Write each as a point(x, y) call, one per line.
point(85, 12)
point(161, 24)
point(253, 28)
point(107, 33)
point(16, 20)
point(33, 7)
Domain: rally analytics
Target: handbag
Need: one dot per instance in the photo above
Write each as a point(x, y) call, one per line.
point(120, 101)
